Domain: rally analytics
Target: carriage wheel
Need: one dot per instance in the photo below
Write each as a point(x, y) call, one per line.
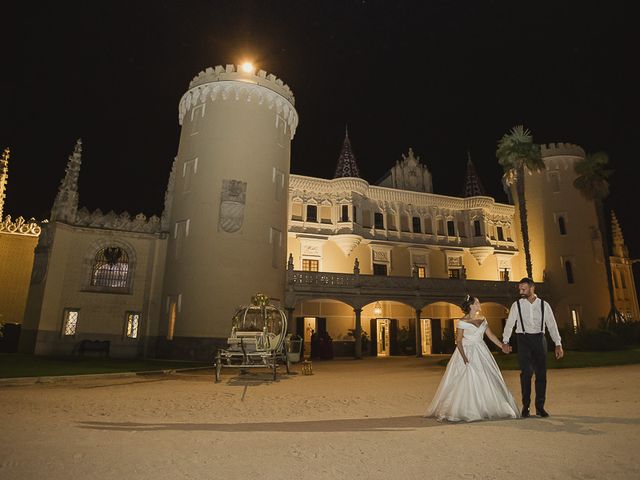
point(218, 367)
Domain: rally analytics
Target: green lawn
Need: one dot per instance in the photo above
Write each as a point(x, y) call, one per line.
point(14, 365)
point(573, 359)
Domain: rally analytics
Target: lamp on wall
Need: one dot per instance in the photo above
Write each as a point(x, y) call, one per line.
point(377, 310)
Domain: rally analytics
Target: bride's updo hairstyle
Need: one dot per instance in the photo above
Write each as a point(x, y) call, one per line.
point(466, 303)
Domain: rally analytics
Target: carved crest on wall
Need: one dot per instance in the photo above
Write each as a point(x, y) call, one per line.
point(232, 202)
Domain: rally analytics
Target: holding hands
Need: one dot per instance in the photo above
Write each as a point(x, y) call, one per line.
point(506, 348)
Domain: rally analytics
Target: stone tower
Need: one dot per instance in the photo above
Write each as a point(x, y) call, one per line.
point(566, 244)
point(226, 205)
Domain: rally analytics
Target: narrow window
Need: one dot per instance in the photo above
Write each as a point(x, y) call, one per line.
point(173, 313)
point(189, 169)
point(454, 273)
point(197, 114)
point(623, 282)
point(132, 325)
point(70, 322)
point(451, 228)
point(355, 218)
point(569, 270)
point(614, 274)
point(379, 268)
point(378, 219)
point(278, 183)
point(417, 227)
point(181, 232)
point(309, 265)
point(462, 230)
point(500, 234)
point(562, 226)
point(404, 223)
point(477, 231)
point(312, 213)
point(575, 320)
point(325, 214)
point(422, 271)
point(440, 226)
point(344, 216)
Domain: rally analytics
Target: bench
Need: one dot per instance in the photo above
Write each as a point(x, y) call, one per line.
point(98, 346)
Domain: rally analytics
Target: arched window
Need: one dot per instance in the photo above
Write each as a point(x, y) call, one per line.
point(110, 268)
point(569, 269)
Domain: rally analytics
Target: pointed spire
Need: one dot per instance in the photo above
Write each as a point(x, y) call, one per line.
point(65, 206)
point(619, 248)
point(347, 166)
point(472, 185)
point(4, 176)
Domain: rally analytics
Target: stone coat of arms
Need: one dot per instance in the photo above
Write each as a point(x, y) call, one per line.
point(232, 201)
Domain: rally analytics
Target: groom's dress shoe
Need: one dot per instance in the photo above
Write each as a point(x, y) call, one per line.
point(525, 413)
point(541, 412)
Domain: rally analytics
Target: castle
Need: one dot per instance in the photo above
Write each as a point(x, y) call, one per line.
point(342, 256)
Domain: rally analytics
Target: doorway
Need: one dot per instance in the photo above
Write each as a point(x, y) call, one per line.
point(383, 337)
point(427, 339)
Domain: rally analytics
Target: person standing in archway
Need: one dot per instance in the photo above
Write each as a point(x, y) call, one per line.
point(531, 315)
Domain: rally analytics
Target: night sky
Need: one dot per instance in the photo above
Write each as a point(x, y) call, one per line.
point(442, 77)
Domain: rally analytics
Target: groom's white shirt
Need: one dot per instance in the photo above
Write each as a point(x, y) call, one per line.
point(532, 319)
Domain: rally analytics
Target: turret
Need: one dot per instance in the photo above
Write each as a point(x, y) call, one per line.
point(226, 203)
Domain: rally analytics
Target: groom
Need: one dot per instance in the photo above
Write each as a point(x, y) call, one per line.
point(531, 315)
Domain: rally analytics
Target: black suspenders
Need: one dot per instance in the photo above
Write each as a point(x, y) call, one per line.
point(541, 311)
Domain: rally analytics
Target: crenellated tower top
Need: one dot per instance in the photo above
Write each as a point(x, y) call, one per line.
point(4, 176)
point(561, 149)
point(237, 83)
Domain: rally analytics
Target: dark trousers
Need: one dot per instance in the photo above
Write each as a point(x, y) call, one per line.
point(532, 357)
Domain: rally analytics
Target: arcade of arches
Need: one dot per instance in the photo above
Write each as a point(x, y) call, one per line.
point(388, 327)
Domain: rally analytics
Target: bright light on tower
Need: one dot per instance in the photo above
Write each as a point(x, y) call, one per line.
point(247, 67)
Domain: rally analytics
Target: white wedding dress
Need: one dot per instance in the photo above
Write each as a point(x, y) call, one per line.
point(476, 390)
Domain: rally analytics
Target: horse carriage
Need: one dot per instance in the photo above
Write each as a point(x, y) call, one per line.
point(258, 339)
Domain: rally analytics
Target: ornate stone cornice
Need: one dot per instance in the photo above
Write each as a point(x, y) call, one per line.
point(113, 221)
point(229, 83)
point(20, 226)
point(311, 186)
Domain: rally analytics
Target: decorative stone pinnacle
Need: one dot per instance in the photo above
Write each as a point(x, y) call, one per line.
point(4, 176)
point(472, 185)
point(65, 206)
point(347, 166)
point(619, 248)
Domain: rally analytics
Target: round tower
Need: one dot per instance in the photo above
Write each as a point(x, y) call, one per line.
point(227, 203)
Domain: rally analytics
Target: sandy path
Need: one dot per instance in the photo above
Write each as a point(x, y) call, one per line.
point(349, 420)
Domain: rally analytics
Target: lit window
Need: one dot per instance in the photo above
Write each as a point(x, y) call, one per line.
point(309, 265)
point(575, 320)
point(422, 271)
point(133, 324)
point(504, 274)
point(110, 268)
point(454, 273)
point(70, 323)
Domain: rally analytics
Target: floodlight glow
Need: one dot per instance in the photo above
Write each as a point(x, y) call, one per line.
point(247, 67)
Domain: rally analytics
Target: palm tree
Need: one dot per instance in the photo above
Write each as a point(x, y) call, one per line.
point(518, 154)
point(593, 183)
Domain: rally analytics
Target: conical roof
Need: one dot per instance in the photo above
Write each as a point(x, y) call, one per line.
point(347, 166)
point(472, 185)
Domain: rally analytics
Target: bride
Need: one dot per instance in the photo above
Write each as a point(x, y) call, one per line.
point(472, 387)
